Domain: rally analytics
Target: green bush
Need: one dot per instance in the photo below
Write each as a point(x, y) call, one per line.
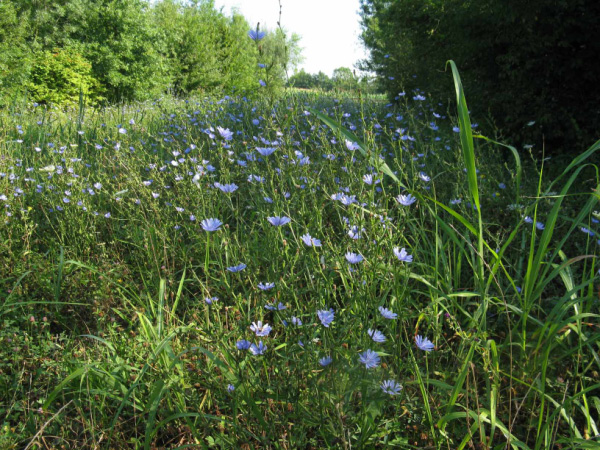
point(521, 62)
point(137, 50)
point(59, 76)
point(15, 55)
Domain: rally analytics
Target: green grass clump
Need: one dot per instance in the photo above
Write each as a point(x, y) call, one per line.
point(126, 324)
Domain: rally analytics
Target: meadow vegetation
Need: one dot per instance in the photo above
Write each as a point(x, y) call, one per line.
point(134, 50)
point(523, 62)
point(317, 272)
point(192, 256)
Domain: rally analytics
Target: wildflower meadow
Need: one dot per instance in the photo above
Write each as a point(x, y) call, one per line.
point(308, 271)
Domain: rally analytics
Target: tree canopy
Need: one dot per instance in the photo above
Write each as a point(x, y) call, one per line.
point(521, 62)
point(122, 50)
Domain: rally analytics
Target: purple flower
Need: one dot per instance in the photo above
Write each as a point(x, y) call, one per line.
point(355, 232)
point(225, 133)
point(262, 83)
point(369, 358)
point(353, 258)
point(265, 286)
point(227, 188)
point(230, 387)
point(296, 321)
point(347, 199)
point(252, 178)
point(258, 349)
point(326, 317)
point(376, 335)
point(260, 329)
point(265, 151)
point(279, 307)
point(211, 224)
point(237, 268)
point(242, 345)
point(406, 200)
point(370, 179)
point(310, 241)
point(386, 313)
point(391, 387)
point(256, 35)
point(352, 146)
point(279, 221)
point(402, 255)
point(424, 343)
point(325, 361)
point(211, 300)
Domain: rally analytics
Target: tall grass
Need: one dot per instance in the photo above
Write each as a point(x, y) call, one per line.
point(125, 322)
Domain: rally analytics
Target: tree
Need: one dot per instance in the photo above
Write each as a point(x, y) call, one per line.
point(519, 61)
point(344, 79)
point(128, 50)
point(302, 80)
point(120, 41)
point(15, 55)
point(323, 81)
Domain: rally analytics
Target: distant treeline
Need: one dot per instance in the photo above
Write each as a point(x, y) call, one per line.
point(343, 79)
point(123, 50)
point(531, 67)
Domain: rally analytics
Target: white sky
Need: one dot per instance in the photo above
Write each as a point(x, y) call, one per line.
point(329, 29)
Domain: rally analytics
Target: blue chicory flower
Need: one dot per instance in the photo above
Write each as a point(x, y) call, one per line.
point(258, 349)
point(326, 317)
point(211, 224)
point(386, 313)
point(325, 361)
point(391, 387)
point(402, 255)
point(424, 344)
point(278, 221)
point(237, 268)
point(256, 35)
point(260, 329)
point(353, 258)
point(369, 358)
point(376, 335)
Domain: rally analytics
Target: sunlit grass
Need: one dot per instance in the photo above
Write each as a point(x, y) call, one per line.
point(127, 324)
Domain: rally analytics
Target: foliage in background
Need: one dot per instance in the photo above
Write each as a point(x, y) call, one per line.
point(521, 62)
point(342, 80)
point(136, 49)
point(60, 76)
point(14, 53)
point(203, 49)
point(348, 228)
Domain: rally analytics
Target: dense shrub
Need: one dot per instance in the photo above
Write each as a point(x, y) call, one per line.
point(58, 77)
point(14, 52)
point(137, 49)
point(521, 62)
